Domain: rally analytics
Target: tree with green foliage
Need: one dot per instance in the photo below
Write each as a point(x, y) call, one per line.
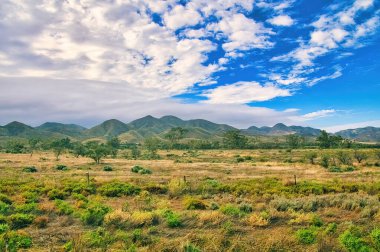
point(15, 147)
point(234, 139)
point(360, 156)
point(294, 141)
point(175, 135)
point(78, 149)
point(59, 146)
point(311, 156)
point(135, 151)
point(152, 144)
point(114, 145)
point(97, 151)
point(326, 141)
point(33, 145)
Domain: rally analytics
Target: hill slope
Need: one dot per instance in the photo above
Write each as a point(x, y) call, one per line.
point(281, 129)
point(367, 134)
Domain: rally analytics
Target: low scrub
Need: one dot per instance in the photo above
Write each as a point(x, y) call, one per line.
point(117, 189)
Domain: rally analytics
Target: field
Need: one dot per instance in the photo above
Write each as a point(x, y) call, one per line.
point(214, 200)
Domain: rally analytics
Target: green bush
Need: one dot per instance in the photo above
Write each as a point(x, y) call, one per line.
point(4, 208)
point(94, 214)
point(117, 189)
point(140, 170)
point(63, 208)
point(31, 197)
point(191, 248)
point(3, 228)
point(107, 168)
point(317, 221)
point(172, 219)
point(61, 167)
point(245, 208)
point(20, 220)
point(30, 169)
point(194, 204)
point(352, 241)
point(231, 210)
point(375, 238)
point(27, 208)
point(331, 228)
point(4, 198)
point(306, 236)
point(325, 161)
point(99, 238)
point(14, 241)
point(57, 194)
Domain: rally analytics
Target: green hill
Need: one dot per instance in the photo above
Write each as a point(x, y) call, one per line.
point(72, 130)
point(109, 128)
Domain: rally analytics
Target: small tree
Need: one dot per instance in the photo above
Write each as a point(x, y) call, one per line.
point(79, 149)
point(97, 151)
point(235, 140)
point(344, 158)
point(294, 141)
point(175, 135)
point(33, 144)
point(311, 156)
point(135, 152)
point(152, 144)
point(114, 145)
point(360, 156)
point(325, 161)
point(59, 146)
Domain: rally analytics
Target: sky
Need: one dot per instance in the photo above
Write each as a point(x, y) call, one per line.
point(240, 62)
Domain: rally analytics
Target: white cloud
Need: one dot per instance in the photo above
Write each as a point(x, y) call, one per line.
point(243, 92)
point(318, 114)
point(242, 33)
point(282, 20)
point(180, 16)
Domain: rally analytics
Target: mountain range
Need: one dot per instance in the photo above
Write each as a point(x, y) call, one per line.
point(149, 126)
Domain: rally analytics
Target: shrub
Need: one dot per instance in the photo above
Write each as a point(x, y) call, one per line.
point(259, 220)
point(107, 168)
point(311, 156)
point(61, 167)
point(344, 158)
point(245, 208)
point(335, 169)
point(140, 219)
point(194, 204)
point(117, 189)
point(360, 156)
point(15, 241)
point(30, 169)
point(94, 214)
point(172, 219)
point(3, 228)
point(57, 194)
point(31, 197)
point(375, 238)
point(4, 198)
point(191, 248)
point(26, 208)
point(352, 241)
point(4, 208)
point(240, 159)
point(317, 221)
point(140, 170)
point(214, 206)
point(306, 236)
point(325, 161)
point(19, 220)
point(99, 238)
point(331, 228)
point(41, 221)
point(63, 208)
point(231, 210)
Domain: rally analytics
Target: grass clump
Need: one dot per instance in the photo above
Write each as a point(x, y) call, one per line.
point(117, 189)
point(4, 208)
point(30, 169)
point(4, 198)
point(231, 210)
point(194, 204)
point(352, 241)
point(99, 238)
point(57, 194)
point(63, 208)
point(172, 219)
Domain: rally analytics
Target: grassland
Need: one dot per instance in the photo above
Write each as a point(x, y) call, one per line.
point(215, 200)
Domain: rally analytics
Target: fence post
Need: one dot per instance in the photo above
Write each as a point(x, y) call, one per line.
point(295, 179)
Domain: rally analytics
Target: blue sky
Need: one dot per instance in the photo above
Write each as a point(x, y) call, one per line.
point(239, 62)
